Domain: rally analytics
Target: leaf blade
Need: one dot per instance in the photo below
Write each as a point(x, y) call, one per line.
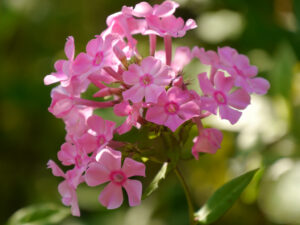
point(223, 198)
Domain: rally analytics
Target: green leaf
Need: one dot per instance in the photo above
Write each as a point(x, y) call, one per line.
point(41, 214)
point(154, 184)
point(223, 198)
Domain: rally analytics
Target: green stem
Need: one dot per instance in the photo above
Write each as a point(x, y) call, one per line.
point(187, 195)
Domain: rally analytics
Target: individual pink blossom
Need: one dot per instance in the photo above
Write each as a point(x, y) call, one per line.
point(221, 97)
point(62, 67)
point(67, 188)
point(208, 141)
point(76, 122)
point(133, 112)
point(148, 80)
point(70, 154)
point(100, 132)
point(98, 55)
point(238, 66)
point(173, 108)
point(108, 169)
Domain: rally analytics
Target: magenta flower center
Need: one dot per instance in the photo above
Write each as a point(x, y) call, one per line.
point(220, 98)
point(101, 140)
point(171, 108)
point(98, 59)
point(118, 177)
point(146, 80)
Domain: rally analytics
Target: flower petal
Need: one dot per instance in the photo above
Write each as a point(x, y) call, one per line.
point(134, 191)
point(96, 174)
point(229, 114)
point(239, 99)
point(133, 168)
point(111, 197)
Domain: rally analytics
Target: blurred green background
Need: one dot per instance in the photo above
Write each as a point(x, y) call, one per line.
point(32, 37)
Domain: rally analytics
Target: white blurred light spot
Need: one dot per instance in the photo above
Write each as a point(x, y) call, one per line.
point(260, 120)
point(215, 27)
point(279, 196)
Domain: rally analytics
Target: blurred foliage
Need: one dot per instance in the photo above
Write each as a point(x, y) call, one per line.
point(32, 36)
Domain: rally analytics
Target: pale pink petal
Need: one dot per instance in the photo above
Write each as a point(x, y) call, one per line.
point(88, 142)
point(151, 65)
point(110, 159)
point(182, 57)
point(70, 48)
point(205, 85)
point(82, 63)
point(142, 9)
point(133, 168)
point(53, 78)
point(165, 9)
point(134, 191)
point(223, 83)
point(229, 114)
point(93, 46)
point(122, 109)
point(152, 92)
point(96, 123)
point(156, 114)
point(111, 196)
point(96, 174)
point(67, 154)
point(259, 85)
point(133, 74)
point(239, 99)
point(56, 171)
point(227, 55)
point(135, 94)
point(173, 122)
point(69, 197)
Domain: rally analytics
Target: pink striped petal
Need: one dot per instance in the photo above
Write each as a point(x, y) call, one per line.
point(111, 196)
point(88, 143)
point(173, 122)
point(97, 124)
point(133, 168)
point(82, 63)
point(96, 174)
point(134, 191)
point(165, 9)
point(56, 171)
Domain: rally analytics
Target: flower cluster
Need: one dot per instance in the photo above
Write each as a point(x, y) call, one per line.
point(150, 92)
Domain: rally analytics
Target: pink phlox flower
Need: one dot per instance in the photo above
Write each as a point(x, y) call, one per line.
point(62, 102)
point(160, 19)
point(108, 169)
point(173, 108)
point(208, 141)
point(76, 122)
point(133, 112)
point(238, 65)
point(144, 9)
point(221, 97)
point(67, 188)
point(148, 80)
point(98, 55)
point(182, 57)
point(169, 26)
point(62, 67)
point(100, 132)
point(71, 154)
point(124, 25)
